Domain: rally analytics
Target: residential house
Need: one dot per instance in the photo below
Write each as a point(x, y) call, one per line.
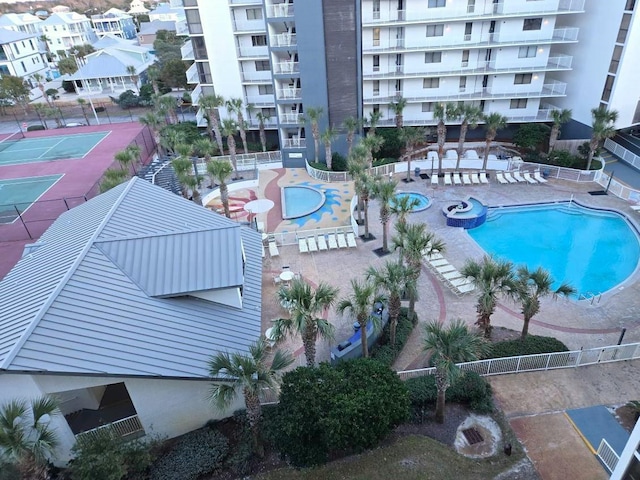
point(21, 22)
point(115, 22)
point(136, 7)
point(117, 308)
point(20, 55)
point(67, 30)
point(166, 12)
point(148, 30)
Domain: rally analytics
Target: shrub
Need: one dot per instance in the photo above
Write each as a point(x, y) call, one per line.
point(319, 166)
point(196, 453)
point(128, 99)
point(384, 352)
point(531, 345)
point(99, 109)
point(384, 161)
point(187, 130)
point(146, 94)
point(392, 145)
point(33, 128)
point(68, 86)
point(338, 162)
point(345, 408)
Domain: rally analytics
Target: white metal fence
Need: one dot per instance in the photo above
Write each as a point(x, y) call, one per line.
point(123, 428)
point(607, 455)
point(627, 155)
point(291, 237)
point(248, 161)
point(562, 173)
point(544, 361)
point(330, 177)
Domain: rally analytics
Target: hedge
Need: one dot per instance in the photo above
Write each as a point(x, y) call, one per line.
point(531, 345)
point(33, 128)
point(384, 352)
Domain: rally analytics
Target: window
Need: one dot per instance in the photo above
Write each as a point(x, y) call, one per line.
point(254, 14)
point(522, 78)
point(608, 87)
point(630, 5)
point(427, 106)
point(376, 9)
point(463, 83)
point(262, 65)
point(31, 43)
point(527, 52)
point(199, 48)
point(376, 108)
point(518, 103)
point(468, 28)
point(193, 21)
point(624, 28)
point(433, 57)
point(465, 58)
point(431, 83)
point(204, 72)
point(532, 24)
point(471, 6)
point(24, 69)
point(437, 3)
point(265, 89)
point(15, 47)
point(258, 40)
point(376, 63)
point(615, 59)
point(435, 30)
point(376, 87)
point(376, 37)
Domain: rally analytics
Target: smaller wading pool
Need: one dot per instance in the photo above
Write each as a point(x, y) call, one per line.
point(423, 201)
point(300, 201)
point(469, 213)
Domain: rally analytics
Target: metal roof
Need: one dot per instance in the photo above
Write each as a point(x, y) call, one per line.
point(80, 303)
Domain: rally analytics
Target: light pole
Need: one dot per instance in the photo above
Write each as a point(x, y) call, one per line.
point(95, 114)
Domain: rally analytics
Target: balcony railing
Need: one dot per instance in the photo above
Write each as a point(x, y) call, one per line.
point(192, 74)
point(294, 143)
point(261, 100)
point(280, 10)
point(263, 76)
point(125, 428)
point(289, 93)
point(249, 26)
point(291, 118)
point(182, 28)
point(283, 40)
point(245, 2)
point(257, 52)
point(196, 94)
point(270, 123)
point(187, 51)
point(284, 68)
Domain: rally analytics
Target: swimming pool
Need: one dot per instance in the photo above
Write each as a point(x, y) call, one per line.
point(423, 200)
point(469, 213)
point(299, 201)
point(593, 250)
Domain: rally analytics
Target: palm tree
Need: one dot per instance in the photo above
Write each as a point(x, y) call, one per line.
point(358, 305)
point(210, 105)
point(351, 125)
point(135, 151)
point(384, 191)
point(447, 347)
point(262, 118)
point(154, 122)
point(403, 206)
point(112, 178)
point(203, 148)
point(327, 137)
point(313, 116)
point(305, 306)
point(133, 73)
point(398, 109)
point(182, 166)
point(220, 171)
point(82, 102)
point(229, 128)
point(363, 184)
point(492, 123)
point(602, 128)
point(395, 279)
point(372, 144)
point(530, 287)
point(560, 117)
point(414, 241)
point(492, 278)
point(374, 117)
point(125, 159)
point(249, 374)
point(356, 166)
point(470, 115)
point(153, 74)
point(444, 112)
point(26, 438)
point(411, 136)
point(236, 105)
point(39, 79)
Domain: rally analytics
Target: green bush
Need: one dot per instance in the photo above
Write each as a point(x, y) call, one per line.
point(128, 99)
point(338, 162)
point(344, 409)
point(384, 161)
point(384, 352)
point(33, 128)
point(187, 130)
point(8, 471)
point(392, 146)
point(531, 345)
point(146, 95)
point(68, 86)
point(319, 166)
point(196, 453)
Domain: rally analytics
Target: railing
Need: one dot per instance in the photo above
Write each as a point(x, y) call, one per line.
point(626, 155)
point(123, 428)
point(247, 161)
point(187, 51)
point(259, 51)
point(295, 118)
point(258, 77)
point(249, 26)
point(280, 10)
point(607, 455)
point(283, 40)
point(329, 177)
point(544, 361)
point(286, 67)
point(563, 173)
point(294, 143)
point(261, 100)
point(192, 74)
point(289, 93)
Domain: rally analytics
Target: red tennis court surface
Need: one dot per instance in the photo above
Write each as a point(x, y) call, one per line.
point(80, 179)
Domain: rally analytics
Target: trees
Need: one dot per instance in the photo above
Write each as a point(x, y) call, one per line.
point(492, 123)
point(362, 185)
point(371, 144)
point(83, 105)
point(313, 115)
point(153, 75)
point(398, 109)
point(125, 158)
point(492, 278)
point(560, 117)
point(470, 115)
point(26, 439)
point(133, 73)
point(220, 171)
point(602, 128)
point(173, 73)
point(15, 89)
point(67, 66)
point(351, 125)
point(305, 306)
point(182, 166)
point(249, 374)
point(403, 206)
point(444, 112)
point(327, 137)
point(112, 178)
point(530, 287)
point(236, 105)
point(395, 279)
point(374, 117)
point(167, 106)
point(449, 346)
point(384, 191)
point(356, 168)
point(210, 105)
point(411, 136)
point(154, 122)
point(530, 135)
point(262, 119)
point(39, 79)
point(229, 128)
point(358, 304)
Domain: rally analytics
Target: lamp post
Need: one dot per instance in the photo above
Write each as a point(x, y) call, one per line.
point(95, 114)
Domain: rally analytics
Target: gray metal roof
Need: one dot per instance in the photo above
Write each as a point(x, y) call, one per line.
point(80, 303)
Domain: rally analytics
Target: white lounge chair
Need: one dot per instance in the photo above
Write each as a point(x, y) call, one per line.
point(342, 242)
point(458, 282)
point(332, 241)
point(466, 179)
point(452, 275)
point(635, 208)
point(462, 289)
point(471, 155)
point(447, 179)
point(351, 240)
point(322, 243)
point(434, 179)
point(433, 256)
point(528, 178)
point(456, 178)
point(475, 179)
point(500, 178)
point(313, 246)
point(539, 177)
point(273, 249)
point(438, 263)
point(302, 245)
point(507, 176)
point(483, 177)
point(518, 178)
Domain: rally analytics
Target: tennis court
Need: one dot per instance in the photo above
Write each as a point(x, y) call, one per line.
point(18, 194)
point(15, 150)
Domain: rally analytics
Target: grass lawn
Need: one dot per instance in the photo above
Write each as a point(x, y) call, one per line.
point(412, 457)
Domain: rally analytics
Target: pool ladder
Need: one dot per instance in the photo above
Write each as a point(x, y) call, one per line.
point(593, 298)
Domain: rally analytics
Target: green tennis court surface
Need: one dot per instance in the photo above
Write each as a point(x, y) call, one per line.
point(31, 150)
point(21, 193)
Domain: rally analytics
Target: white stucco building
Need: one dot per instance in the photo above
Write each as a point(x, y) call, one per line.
point(114, 22)
point(20, 55)
point(67, 30)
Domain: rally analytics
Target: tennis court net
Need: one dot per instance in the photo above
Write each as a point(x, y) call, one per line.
point(10, 139)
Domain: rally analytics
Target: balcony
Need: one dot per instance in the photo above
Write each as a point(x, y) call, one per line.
point(261, 100)
point(196, 94)
point(285, 68)
point(246, 26)
point(192, 75)
point(483, 11)
point(187, 51)
point(289, 94)
point(291, 118)
point(257, 77)
point(253, 52)
point(245, 2)
point(294, 143)
point(182, 29)
point(269, 123)
point(280, 10)
point(283, 40)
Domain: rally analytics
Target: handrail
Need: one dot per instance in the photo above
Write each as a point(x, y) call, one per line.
point(607, 455)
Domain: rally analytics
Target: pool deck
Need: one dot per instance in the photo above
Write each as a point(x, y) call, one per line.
point(577, 324)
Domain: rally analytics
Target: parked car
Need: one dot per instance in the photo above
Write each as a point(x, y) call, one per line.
point(75, 124)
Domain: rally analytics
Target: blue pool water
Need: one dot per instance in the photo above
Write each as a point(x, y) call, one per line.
point(300, 201)
point(423, 201)
point(592, 250)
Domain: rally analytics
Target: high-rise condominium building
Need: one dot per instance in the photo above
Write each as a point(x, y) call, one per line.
point(520, 58)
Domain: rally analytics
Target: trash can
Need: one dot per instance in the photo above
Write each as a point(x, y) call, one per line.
point(416, 171)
